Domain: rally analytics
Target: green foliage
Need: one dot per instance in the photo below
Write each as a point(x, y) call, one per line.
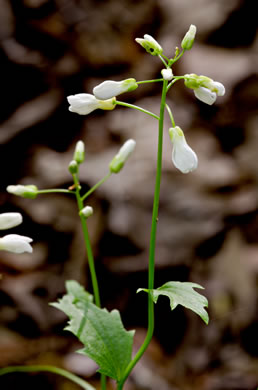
point(182, 293)
point(102, 333)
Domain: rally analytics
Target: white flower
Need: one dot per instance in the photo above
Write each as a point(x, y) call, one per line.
point(188, 39)
point(110, 88)
point(28, 191)
point(205, 89)
point(16, 243)
point(150, 45)
point(85, 103)
point(9, 220)
point(183, 157)
point(120, 158)
point(167, 74)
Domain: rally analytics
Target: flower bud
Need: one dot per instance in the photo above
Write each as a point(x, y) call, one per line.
point(120, 158)
point(15, 243)
point(73, 167)
point(10, 220)
point(167, 74)
point(86, 212)
point(109, 88)
point(188, 39)
point(28, 191)
point(150, 45)
point(79, 154)
point(85, 103)
point(183, 157)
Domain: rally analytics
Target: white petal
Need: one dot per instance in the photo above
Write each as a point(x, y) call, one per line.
point(150, 39)
point(205, 95)
point(82, 103)
point(15, 243)
point(220, 89)
point(126, 150)
point(9, 220)
point(108, 89)
point(183, 157)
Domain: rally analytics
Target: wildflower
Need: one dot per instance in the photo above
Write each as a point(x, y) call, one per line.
point(150, 45)
point(86, 212)
point(120, 158)
point(85, 103)
point(205, 89)
point(183, 157)
point(110, 88)
point(188, 39)
point(9, 220)
point(167, 74)
point(15, 243)
point(28, 191)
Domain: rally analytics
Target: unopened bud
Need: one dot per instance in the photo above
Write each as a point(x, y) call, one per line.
point(188, 39)
point(167, 74)
point(120, 158)
point(110, 88)
point(86, 212)
point(150, 45)
point(73, 167)
point(79, 154)
point(28, 191)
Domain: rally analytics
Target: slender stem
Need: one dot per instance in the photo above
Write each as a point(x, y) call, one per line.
point(171, 62)
point(149, 81)
point(55, 370)
point(51, 191)
point(162, 59)
point(170, 115)
point(176, 78)
point(137, 108)
point(96, 186)
point(152, 242)
point(90, 257)
point(87, 243)
point(166, 58)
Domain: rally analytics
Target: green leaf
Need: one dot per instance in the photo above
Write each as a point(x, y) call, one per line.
point(182, 293)
point(105, 339)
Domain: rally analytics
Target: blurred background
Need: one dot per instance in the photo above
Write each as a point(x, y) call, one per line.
point(208, 220)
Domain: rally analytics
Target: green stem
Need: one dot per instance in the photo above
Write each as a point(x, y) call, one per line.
point(96, 186)
point(175, 78)
point(137, 108)
point(87, 243)
point(171, 62)
point(171, 116)
point(149, 81)
point(55, 370)
point(55, 190)
point(90, 257)
point(163, 60)
point(152, 242)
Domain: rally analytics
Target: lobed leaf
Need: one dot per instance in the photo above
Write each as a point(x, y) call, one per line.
point(102, 333)
point(182, 293)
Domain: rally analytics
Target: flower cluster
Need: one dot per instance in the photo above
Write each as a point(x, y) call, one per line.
point(13, 242)
point(104, 97)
